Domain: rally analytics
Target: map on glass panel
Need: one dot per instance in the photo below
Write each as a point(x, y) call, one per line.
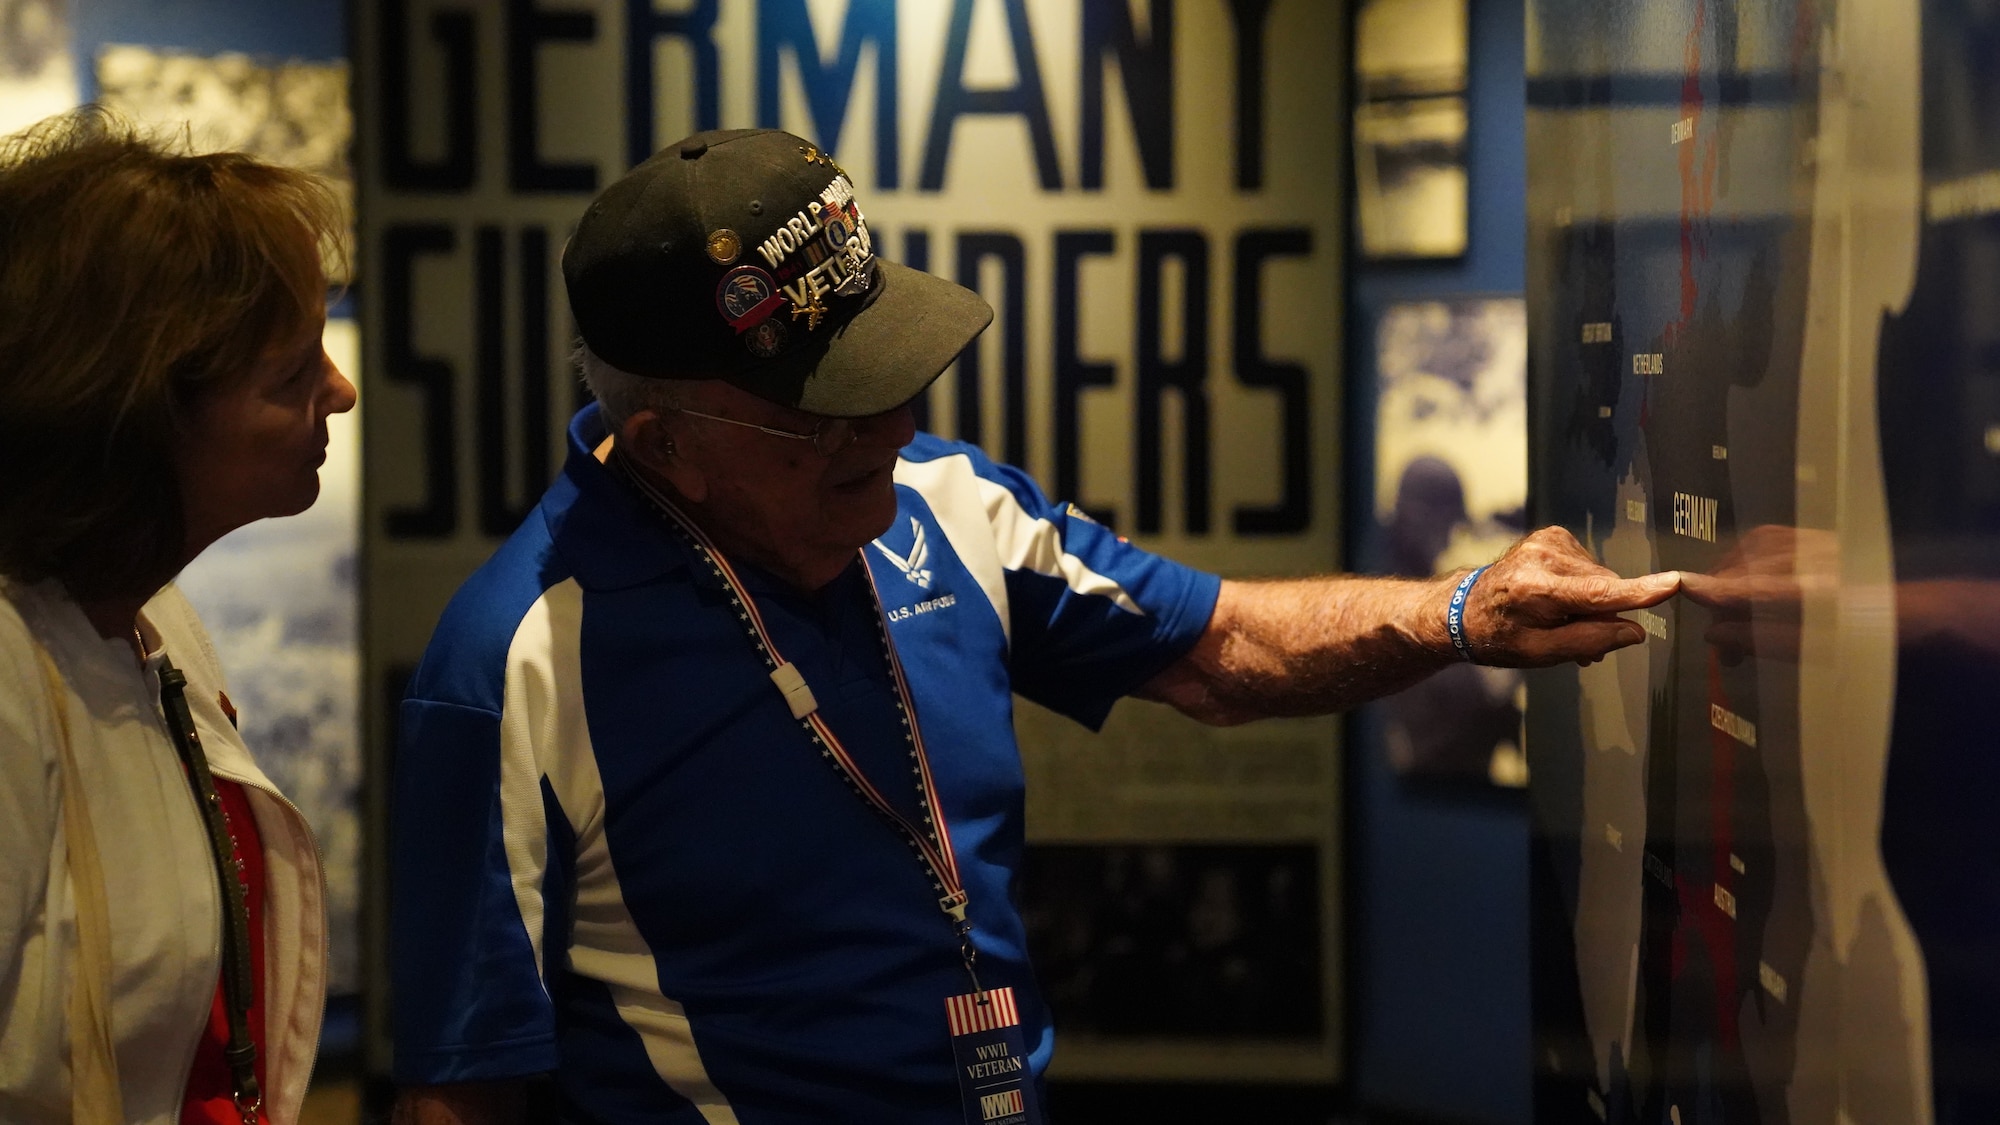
point(1738, 286)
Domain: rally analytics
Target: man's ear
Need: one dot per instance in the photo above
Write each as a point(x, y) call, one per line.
point(648, 439)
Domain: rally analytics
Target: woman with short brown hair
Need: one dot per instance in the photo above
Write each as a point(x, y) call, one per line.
point(162, 382)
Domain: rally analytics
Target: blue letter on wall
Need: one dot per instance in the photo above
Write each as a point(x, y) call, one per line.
point(643, 25)
point(1024, 97)
point(784, 23)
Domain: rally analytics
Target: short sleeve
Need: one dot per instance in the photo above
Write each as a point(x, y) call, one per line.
point(1092, 617)
point(470, 1000)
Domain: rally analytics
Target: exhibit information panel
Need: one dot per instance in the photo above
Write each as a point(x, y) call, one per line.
point(1764, 278)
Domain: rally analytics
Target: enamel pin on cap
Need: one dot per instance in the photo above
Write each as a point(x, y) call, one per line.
point(723, 246)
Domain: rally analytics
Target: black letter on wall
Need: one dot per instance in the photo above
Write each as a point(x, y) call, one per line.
point(1249, 16)
point(1292, 382)
point(1188, 375)
point(1024, 97)
point(402, 245)
point(1148, 71)
point(453, 32)
point(917, 256)
point(974, 248)
point(499, 514)
point(528, 28)
point(1073, 374)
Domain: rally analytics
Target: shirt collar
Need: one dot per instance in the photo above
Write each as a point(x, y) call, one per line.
point(599, 523)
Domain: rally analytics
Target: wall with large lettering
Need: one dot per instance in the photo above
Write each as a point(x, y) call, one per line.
point(1150, 193)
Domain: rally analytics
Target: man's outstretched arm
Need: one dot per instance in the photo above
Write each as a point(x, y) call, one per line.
point(1311, 646)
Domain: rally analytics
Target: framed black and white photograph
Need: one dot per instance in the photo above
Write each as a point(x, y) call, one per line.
point(37, 70)
point(1410, 127)
point(1451, 491)
point(1158, 941)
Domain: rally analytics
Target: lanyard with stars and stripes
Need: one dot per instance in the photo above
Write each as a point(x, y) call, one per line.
point(932, 842)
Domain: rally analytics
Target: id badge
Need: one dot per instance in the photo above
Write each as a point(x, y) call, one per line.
point(994, 1079)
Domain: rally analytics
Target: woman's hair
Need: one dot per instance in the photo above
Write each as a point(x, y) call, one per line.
point(134, 277)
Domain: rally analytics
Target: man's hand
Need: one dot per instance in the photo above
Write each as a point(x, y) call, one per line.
point(464, 1103)
point(1759, 592)
point(1546, 601)
point(1311, 646)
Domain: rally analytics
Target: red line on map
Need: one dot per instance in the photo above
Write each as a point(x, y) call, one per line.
point(1698, 162)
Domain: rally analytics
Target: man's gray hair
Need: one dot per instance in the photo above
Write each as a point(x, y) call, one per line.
point(621, 394)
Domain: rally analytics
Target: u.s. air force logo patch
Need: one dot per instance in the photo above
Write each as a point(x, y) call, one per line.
point(916, 567)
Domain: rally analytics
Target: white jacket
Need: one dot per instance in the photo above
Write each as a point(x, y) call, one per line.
point(166, 922)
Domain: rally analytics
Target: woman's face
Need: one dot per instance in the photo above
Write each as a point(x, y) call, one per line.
point(253, 448)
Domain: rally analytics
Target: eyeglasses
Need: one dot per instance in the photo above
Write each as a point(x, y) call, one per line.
point(828, 438)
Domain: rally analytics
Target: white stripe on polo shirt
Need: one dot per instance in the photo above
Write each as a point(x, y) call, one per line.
point(544, 729)
point(964, 524)
point(992, 534)
point(528, 721)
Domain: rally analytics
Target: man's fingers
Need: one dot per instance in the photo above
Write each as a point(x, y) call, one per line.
point(1579, 641)
point(1768, 593)
point(1604, 593)
point(1550, 600)
point(1589, 640)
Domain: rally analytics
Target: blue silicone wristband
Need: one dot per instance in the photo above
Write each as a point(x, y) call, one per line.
point(1454, 615)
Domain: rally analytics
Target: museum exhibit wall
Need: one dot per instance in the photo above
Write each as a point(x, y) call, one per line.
point(1437, 905)
point(279, 597)
point(1763, 260)
point(1150, 195)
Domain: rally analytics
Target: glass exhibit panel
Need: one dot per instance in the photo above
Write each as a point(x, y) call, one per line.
point(1761, 291)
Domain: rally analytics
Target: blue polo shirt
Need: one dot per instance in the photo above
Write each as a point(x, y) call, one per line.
point(619, 858)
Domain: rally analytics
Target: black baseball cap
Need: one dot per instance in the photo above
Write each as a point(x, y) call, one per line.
point(741, 255)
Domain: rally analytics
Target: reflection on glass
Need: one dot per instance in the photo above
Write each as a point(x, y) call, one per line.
point(1724, 260)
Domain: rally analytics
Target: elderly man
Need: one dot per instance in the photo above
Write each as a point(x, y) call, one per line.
point(709, 801)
